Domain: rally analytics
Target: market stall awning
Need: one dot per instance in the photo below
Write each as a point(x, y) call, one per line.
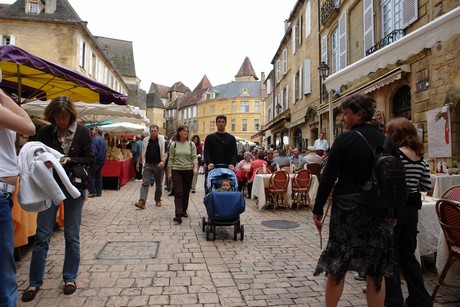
point(124, 128)
point(440, 29)
point(31, 78)
point(93, 113)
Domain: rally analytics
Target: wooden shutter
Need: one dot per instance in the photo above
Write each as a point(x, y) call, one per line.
point(307, 19)
point(294, 96)
point(306, 76)
point(12, 40)
point(343, 40)
point(1, 40)
point(368, 25)
point(324, 49)
point(409, 12)
point(293, 38)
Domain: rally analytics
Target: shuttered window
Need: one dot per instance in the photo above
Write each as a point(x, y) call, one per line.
point(368, 24)
point(306, 76)
point(324, 49)
point(343, 40)
point(307, 19)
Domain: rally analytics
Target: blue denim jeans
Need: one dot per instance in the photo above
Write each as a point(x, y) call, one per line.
point(8, 284)
point(45, 225)
point(95, 179)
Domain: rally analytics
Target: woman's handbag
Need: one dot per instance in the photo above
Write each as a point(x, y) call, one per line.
point(79, 176)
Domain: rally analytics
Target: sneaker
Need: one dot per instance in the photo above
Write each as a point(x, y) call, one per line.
point(177, 219)
point(158, 203)
point(137, 180)
point(185, 214)
point(92, 195)
point(140, 204)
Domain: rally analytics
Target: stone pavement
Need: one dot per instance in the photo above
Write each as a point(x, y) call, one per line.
point(132, 257)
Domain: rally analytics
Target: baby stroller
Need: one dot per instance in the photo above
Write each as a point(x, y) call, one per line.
point(223, 208)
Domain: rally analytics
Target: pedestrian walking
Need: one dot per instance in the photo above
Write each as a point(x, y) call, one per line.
point(153, 157)
point(182, 167)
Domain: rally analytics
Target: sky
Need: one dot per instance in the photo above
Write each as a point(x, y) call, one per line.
point(183, 40)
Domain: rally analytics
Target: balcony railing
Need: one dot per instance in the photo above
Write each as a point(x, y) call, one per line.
point(390, 38)
point(328, 8)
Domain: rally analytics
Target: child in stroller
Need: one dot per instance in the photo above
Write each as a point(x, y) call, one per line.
point(223, 209)
point(226, 186)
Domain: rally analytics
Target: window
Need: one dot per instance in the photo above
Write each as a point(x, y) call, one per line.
point(306, 74)
point(212, 110)
point(300, 30)
point(277, 70)
point(233, 124)
point(391, 17)
point(82, 60)
point(106, 75)
point(7, 40)
point(339, 44)
point(295, 98)
point(269, 86)
point(285, 64)
point(90, 64)
point(33, 7)
point(256, 107)
point(244, 107)
point(233, 106)
point(244, 124)
point(256, 125)
point(194, 111)
point(285, 95)
point(212, 125)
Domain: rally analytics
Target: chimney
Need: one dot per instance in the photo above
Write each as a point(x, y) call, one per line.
point(50, 6)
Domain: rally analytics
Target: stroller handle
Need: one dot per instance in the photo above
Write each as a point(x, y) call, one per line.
point(221, 165)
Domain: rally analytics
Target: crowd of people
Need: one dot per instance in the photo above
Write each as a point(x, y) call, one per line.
point(377, 243)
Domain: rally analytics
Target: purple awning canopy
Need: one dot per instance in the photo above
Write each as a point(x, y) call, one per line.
point(31, 78)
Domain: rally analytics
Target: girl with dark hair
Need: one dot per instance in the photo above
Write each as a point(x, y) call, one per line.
point(403, 133)
point(182, 167)
point(360, 237)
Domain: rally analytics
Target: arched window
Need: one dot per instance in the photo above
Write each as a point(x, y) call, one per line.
point(402, 103)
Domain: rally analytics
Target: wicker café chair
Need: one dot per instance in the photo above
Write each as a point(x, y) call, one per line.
point(449, 217)
point(301, 187)
point(277, 188)
point(452, 193)
point(314, 168)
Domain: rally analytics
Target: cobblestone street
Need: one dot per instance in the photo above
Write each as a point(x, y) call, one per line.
point(132, 257)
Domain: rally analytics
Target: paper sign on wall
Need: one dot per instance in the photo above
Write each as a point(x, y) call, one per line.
point(439, 133)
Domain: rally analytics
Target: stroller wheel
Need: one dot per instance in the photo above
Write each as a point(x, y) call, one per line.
point(208, 230)
point(235, 232)
point(203, 224)
point(242, 232)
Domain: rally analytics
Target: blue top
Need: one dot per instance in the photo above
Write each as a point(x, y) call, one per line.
point(99, 149)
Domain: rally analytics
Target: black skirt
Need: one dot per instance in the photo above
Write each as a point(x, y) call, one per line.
point(360, 239)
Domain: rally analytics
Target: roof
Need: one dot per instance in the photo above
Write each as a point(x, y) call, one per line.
point(173, 105)
point(246, 69)
point(154, 101)
point(194, 97)
point(120, 52)
point(180, 88)
point(161, 90)
point(64, 12)
point(234, 89)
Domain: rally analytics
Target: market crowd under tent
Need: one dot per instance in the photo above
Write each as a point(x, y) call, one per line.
point(31, 77)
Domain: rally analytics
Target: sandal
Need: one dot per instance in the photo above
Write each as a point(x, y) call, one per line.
point(29, 294)
point(70, 288)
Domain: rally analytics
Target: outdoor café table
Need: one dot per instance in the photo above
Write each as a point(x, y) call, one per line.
point(431, 240)
point(261, 181)
point(441, 182)
point(122, 170)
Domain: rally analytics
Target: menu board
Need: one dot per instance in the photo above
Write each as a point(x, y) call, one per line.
point(439, 133)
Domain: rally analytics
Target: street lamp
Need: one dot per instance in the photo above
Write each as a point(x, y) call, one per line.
point(278, 108)
point(324, 73)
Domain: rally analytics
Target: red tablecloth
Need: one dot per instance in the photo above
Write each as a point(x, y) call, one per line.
point(122, 169)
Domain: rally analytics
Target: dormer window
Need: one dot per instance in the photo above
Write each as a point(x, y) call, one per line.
point(33, 7)
point(244, 92)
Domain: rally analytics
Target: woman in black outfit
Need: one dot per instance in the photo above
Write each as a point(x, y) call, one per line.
point(360, 237)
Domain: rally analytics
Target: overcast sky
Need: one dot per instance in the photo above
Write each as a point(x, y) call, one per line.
point(183, 40)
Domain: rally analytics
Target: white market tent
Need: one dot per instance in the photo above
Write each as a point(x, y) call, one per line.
point(124, 128)
point(93, 113)
point(243, 141)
